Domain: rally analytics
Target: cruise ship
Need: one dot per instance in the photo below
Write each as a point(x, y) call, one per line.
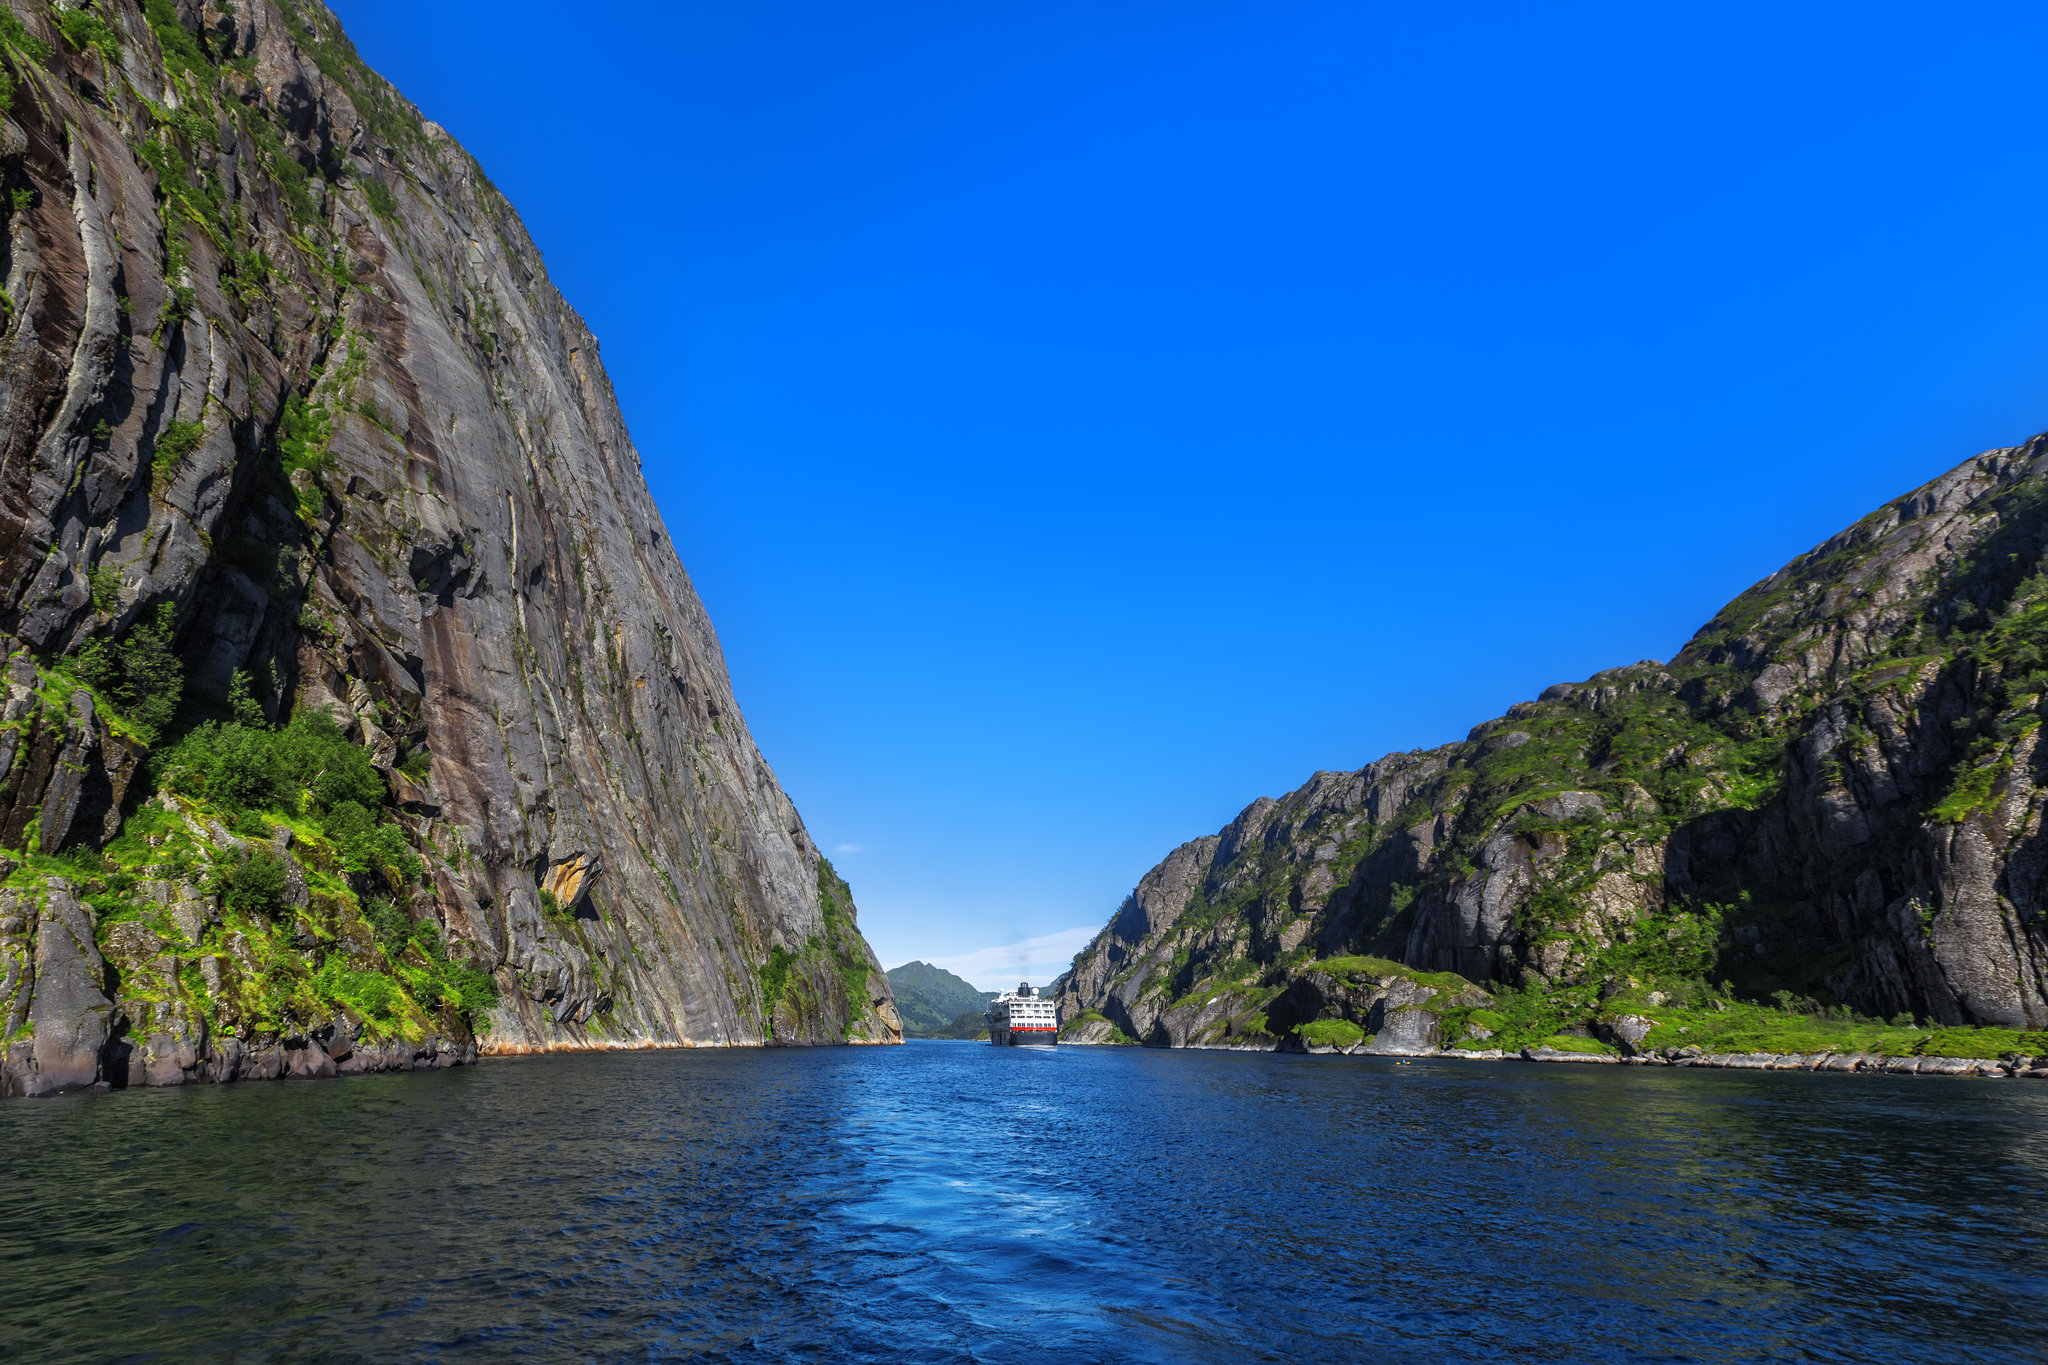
point(1023, 1018)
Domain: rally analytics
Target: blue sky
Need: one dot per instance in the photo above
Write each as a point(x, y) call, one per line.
point(1083, 418)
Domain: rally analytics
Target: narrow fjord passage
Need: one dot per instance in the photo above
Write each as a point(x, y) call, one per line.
point(952, 1202)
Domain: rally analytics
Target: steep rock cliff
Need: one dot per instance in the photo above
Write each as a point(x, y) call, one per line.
point(293, 426)
point(1831, 798)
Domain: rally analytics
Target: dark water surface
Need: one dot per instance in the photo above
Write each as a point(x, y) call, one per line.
point(959, 1202)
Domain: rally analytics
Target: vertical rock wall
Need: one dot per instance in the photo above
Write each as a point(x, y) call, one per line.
point(278, 355)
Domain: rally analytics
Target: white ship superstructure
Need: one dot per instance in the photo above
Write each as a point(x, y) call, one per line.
point(1023, 1018)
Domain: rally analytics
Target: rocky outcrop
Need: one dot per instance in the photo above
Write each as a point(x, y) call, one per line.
point(68, 1013)
point(1832, 797)
point(281, 372)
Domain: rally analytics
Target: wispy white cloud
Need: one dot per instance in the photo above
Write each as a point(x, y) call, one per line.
point(849, 848)
point(1034, 959)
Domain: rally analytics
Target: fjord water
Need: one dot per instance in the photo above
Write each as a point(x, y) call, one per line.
point(952, 1201)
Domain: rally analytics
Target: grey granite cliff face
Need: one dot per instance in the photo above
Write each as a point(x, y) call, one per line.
point(277, 355)
point(1833, 795)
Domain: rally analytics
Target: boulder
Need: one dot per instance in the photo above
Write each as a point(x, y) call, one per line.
point(1959, 1066)
point(308, 1062)
point(71, 1014)
point(224, 1064)
point(1626, 1031)
point(1551, 1054)
point(169, 1057)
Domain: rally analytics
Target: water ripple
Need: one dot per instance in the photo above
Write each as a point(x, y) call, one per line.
point(948, 1202)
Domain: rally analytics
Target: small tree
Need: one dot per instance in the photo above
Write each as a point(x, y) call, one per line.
point(256, 884)
point(141, 673)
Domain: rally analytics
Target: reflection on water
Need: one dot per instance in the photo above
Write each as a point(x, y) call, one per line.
point(959, 1202)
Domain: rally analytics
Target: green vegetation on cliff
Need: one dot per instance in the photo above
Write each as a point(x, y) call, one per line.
point(828, 975)
point(138, 679)
point(1330, 1033)
point(1815, 828)
point(287, 826)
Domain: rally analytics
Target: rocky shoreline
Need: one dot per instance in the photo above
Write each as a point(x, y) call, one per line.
point(504, 1049)
point(2034, 1068)
point(120, 1066)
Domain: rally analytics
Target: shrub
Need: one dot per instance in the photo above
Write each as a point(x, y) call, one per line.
point(1569, 1042)
point(104, 582)
point(472, 989)
point(256, 884)
point(1976, 789)
point(82, 30)
point(242, 701)
point(1524, 1015)
point(292, 180)
point(231, 765)
point(367, 847)
point(1683, 945)
point(140, 674)
point(181, 50)
point(346, 822)
point(462, 984)
point(308, 768)
point(15, 34)
point(382, 202)
point(307, 763)
point(374, 996)
point(1470, 1027)
point(173, 444)
point(775, 978)
point(391, 925)
point(469, 989)
point(318, 759)
point(302, 435)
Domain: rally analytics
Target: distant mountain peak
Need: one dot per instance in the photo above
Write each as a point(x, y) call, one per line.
point(933, 1002)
